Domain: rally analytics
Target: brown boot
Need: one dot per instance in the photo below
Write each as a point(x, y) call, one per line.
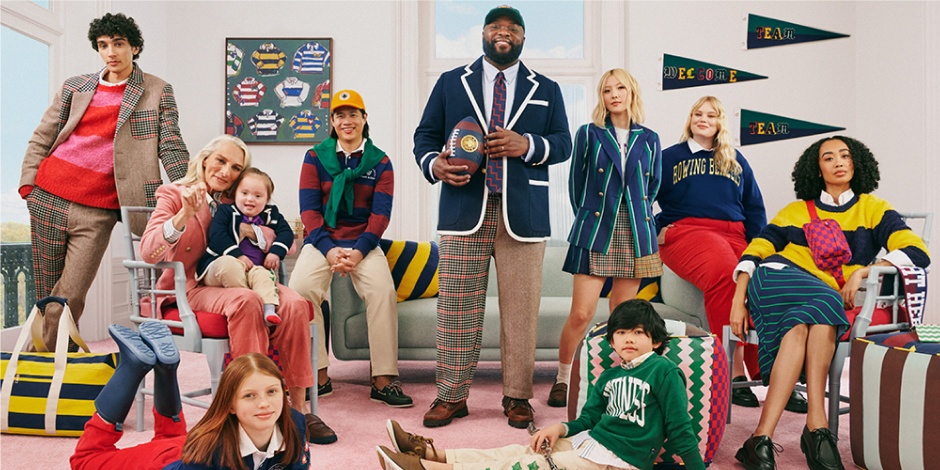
point(443, 412)
point(391, 460)
point(317, 431)
point(407, 443)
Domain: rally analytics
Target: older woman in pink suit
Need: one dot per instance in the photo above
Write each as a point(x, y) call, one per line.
point(177, 232)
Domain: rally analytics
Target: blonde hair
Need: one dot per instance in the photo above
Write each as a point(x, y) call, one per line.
point(214, 439)
point(195, 171)
point(722, 150)
point(636, 104)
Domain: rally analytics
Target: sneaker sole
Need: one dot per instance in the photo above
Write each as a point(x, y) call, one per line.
point(160, 339)
point(387, 463)
point(132, 344)
point(390, 429)
point(405, 405)
point(436, 423)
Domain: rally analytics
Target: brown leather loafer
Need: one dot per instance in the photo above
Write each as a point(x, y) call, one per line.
point(519, 411)
point(317, 431)
point(443, 412)
point(558, 397)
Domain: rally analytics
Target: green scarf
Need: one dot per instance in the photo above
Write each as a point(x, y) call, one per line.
point(343, 178)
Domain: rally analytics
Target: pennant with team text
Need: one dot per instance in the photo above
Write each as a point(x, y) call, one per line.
point(681, 72)
point(769, 32)
point(757, 127)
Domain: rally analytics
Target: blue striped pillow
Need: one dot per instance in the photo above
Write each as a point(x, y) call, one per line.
point(413, 266)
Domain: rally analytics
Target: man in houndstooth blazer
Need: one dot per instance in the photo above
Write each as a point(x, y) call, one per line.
point(99, 146)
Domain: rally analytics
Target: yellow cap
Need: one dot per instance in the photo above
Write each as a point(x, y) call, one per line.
point(347, 98)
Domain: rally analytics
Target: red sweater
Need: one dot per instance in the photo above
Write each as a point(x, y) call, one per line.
point(81, 169)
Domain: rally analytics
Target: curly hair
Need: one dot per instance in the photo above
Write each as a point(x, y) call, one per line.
point(808, 182)
point(116, 25)
point(634, 313)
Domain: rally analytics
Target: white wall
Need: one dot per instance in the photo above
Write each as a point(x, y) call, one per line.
point(874, 83)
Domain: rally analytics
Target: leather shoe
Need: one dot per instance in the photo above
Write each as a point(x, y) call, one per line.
point(796, 403)
point(317, 431)
point(443, 412)
point(519, 411)
point(757, 453)
point(821, 450)
point(391, 460)
point(558, 397)
point(743, 396)
point(405, 442)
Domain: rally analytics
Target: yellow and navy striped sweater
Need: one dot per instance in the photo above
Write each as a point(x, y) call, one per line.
point(869, 224)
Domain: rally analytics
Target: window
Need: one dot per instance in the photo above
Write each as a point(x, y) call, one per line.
point(556, 45)
point(28, 33)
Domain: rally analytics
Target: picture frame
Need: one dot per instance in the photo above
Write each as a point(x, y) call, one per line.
point(277, 90)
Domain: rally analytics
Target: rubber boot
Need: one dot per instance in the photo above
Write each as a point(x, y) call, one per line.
point(166, 389)
point(136, 359)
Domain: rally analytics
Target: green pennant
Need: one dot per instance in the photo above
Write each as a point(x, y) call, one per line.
point(682, 72)
point(757, 127)
point(769, 32)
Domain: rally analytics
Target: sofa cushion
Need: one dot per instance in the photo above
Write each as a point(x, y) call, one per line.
point(413, 266)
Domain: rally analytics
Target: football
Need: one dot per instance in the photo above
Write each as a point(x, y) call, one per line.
point(466, 145)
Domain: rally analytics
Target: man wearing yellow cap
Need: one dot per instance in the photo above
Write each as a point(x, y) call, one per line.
point(346, 186)
point(499, 211)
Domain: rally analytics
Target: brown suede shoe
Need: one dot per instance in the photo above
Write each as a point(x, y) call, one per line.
point(317, 431)
point(442, 413)
point(519, 411)
point(392, 460)
point(558, 397)
point(407, 443)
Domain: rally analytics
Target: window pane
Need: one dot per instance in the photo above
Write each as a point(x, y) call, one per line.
point(561, 215)
point(554, 30)
point(42, 3)
point(24, 71)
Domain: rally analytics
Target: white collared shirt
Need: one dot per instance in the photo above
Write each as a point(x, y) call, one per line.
point(489, 79)
point(844, 198)
point(246, 447)
point(362, 148)
point(104, 82)
point(695, 147)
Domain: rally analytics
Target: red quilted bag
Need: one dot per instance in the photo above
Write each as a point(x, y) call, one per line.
point(827, 243)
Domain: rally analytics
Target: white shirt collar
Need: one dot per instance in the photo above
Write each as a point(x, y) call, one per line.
point(695, 147)
point(490, 71)
point(636, 361)
point(845, 197)
point(104, 82)
point(248, 448)
point(362, 147)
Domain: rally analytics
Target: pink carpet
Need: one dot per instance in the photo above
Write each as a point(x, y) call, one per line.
point(360, 423)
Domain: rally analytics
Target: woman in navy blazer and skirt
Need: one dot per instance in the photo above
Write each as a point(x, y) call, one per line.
point(615, 174)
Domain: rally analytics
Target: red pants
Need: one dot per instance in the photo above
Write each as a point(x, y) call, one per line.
point(705, 253)
point(96, 450)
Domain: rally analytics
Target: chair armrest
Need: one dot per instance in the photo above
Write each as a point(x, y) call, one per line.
point(192, 334)
point(872, 284)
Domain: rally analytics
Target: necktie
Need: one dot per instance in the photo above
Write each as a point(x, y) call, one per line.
point(494, 166)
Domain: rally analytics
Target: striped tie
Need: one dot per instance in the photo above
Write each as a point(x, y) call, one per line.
point(494, 166)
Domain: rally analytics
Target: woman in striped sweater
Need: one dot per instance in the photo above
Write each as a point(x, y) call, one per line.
point(797, 307)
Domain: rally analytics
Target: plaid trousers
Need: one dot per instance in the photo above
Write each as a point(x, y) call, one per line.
point(463, 272)
point(68, 242)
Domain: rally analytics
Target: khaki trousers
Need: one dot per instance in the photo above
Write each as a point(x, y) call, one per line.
point(373, 282)
point(228, 271)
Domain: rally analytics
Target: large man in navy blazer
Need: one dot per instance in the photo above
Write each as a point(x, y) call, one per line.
point(501, 210)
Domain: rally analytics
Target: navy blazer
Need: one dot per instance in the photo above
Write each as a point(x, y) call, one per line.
point(538, 110)
point(596, 187)
point(224, 235)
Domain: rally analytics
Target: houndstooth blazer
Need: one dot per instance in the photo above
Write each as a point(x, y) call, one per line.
point(148, 126)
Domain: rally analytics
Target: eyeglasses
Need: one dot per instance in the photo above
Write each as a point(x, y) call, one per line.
point(513, 29)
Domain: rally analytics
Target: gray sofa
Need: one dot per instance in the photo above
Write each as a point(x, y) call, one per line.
point(417, 319)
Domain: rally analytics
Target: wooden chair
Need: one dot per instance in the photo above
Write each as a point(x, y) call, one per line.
point(188, 326)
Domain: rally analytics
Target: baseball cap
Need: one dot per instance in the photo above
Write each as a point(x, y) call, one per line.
point(347, 98)
point(507, 11)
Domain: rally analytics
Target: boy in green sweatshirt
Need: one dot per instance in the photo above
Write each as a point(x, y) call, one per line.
point(630, 411)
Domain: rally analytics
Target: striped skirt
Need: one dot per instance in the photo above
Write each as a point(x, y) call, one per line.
point(620, 261)
point(780, 299)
